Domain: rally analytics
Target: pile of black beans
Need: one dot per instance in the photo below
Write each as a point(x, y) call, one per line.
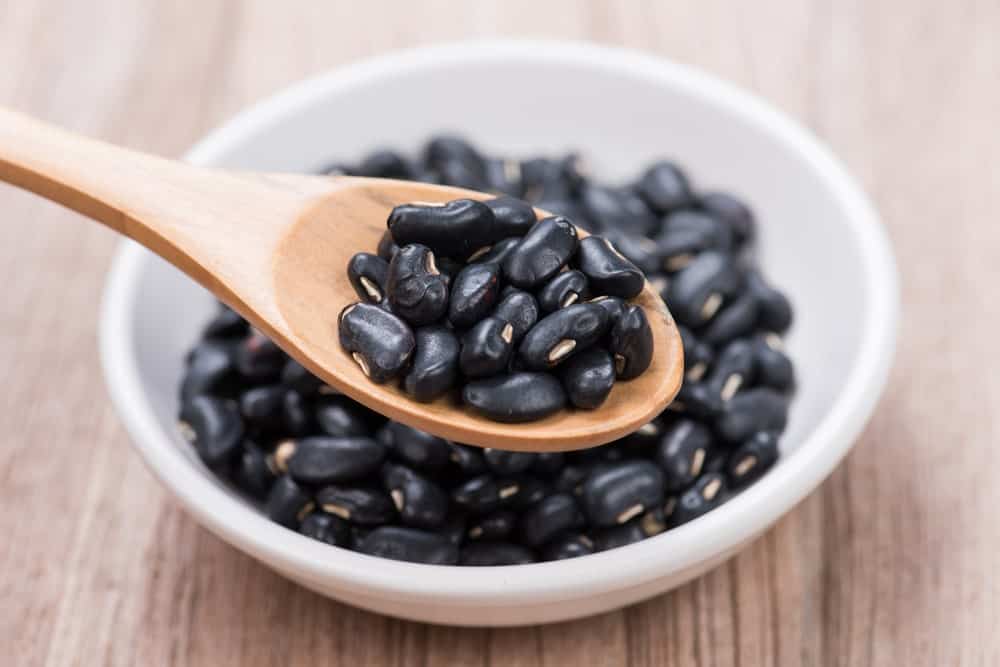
point(519, 313)
point(324, 465)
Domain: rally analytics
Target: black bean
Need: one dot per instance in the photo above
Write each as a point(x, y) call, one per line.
point(496, 253)
point(435, 364)
point(449, 267)
point(329, 460)
point(486, 348)
point(698, 290)
point(368, 275)
point(455, 229)
point(453, 528)
point(326, 528)
point(607, 270)
point(214, 427)
point(687, 233)
point(519, 308)
point(409, 544)
point(252, 473)
point(698, 356)
point(504, 462)
point(474, 293)
point(385, 164)
point(517, 397)
point(416, 289)
point(420, 502)
point(773, 368)
point(297, 377)
point(612, 305)
point(732, 370)
point(503, 177)
point(565, 289)
point(697, 399)
point(570, 546)
point(707, 493)
point(263, 407)
point(287, 503)
point(736, 319)
point(617, 208)
point(643, 439)
point(339, 416)
point(757, 409)
point(360, 505)
point(469, 460)
point(259, 359)
point(748, 462)
point(514, 217)
point(443, 149)
point(387, 247)
point(543, 251)
point(495, 526)
point(414, 447)
point(622, 491)
point(462, 175)
point(561, 334)
point(774, 309)
point(495, 553)
point(479, 495)
point(730, 210)
point(631, 343)
point(665, 187)
point(226, 324)
point(548, 518)
point(682, 453)
point(640, 250)
point(296, 417)
point(210, 370)
point(546, 178)
point(521, 491)
point(588, 378)
point(380, 342)
point(618, 536)
point(568, 208)
point(548, 464)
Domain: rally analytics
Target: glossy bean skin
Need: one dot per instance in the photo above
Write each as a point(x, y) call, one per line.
point(339, 416)
point(561, 334)
point(758, 409)
point(707, 493)
point(497, 253)
point(547, 464)
point(612, 305)
point(368, 275)
point(550, 517)
point(517, 397)
point(542, 252)
point(215, 428)
point(486, 348)
point(409, 544)
point(642, 251)
point(687, 233)
point(387, 247)
point(415, 447)
point(478, 495)
point(455, 229)
point(613, 537)
point(258, 359)
point(469, 460)
point(263, 407)
point(607, 270)
point(298, 378)
point(565, 289)
point(359, 505)
point(698, 356)
point(503, 462)
point(750, 460)
point(700, 288)
point(514, 217)
point(495, 553)
point(328, 460)
point(287, 503)
point(520, 309)
point(697, 399)
point(226, 325)
point(728, 209)
point(618, 208)
point(434, 370)
point(621, 492)
point(326, 528)
point(773, 368)
point(296, 415)
point(385, 164)
point(735, 320)
point(733, 369)
point(631, 343)
point(495, 526)
point(665, 187)
point(420, 502)
point(444, 149)
point(253, 475)
point(380, 342)
point(211, 369)
point(774, 309)
point(682, 453)
point(571, 546)
point(588, 378)
point(416, 289)
point(474, 293)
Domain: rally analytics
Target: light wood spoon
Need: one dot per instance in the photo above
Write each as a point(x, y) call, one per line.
point(275, 248)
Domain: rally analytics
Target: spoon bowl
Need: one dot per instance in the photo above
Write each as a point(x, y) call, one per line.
point(275, 247)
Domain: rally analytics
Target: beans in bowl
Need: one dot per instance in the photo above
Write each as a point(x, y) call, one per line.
point(331, 469)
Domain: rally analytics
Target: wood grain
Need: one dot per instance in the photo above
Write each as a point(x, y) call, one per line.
point(893, 561)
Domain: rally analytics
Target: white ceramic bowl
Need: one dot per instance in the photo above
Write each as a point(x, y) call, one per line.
point(820, 241)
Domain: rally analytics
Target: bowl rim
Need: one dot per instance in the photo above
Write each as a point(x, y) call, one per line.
point(675, 551)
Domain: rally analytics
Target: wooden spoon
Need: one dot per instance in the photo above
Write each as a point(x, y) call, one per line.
point(275, 247)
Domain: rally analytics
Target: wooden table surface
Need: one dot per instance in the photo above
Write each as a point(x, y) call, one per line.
point(893, 561)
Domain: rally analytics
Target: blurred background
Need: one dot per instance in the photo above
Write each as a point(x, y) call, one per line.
point(892, 561)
